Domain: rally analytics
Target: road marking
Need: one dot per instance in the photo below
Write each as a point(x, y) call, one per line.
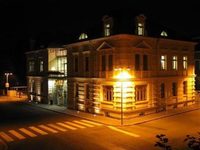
point(48, 129)
point(122, 131)
point(27, 132)
point(16, 134)
point(66, 126)
point(90, 122)
point(6, 137)
point(76, 125)
point(57, 127)
point(82, 123)
point(38, 130)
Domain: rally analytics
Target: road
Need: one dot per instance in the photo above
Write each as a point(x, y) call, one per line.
point(26, 127)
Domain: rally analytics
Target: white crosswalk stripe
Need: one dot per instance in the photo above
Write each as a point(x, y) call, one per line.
point(27, 132)
point(82, 123)
point(66, 126)
point(38, 130)
point(17, 134)
point(57, 127)
point(48, 128)
point(75, 125)
point(6, 137)
point(93, 123)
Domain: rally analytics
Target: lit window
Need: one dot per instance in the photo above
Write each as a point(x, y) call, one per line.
point(184, 87)
point(31, 66)
point(185, 62)
point(107, 30)
point(164, 33)
point(108, 93)
point(174, 63)
point(41, 65)
point(83, 36)
point(141, 92)
point(174, 89)
point(163, 62)
point(140, 29)
point(162, 90)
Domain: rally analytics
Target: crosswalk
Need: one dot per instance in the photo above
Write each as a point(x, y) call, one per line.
point(45, 129)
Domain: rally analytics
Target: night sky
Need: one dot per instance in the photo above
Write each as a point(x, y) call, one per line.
point(52, 20)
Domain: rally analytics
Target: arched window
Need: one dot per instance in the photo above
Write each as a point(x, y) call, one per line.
point(164, 33)
point(83, 36)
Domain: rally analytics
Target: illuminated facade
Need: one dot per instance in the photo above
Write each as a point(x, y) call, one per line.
point(46, 75)
point(161, 72)
point(134, 72)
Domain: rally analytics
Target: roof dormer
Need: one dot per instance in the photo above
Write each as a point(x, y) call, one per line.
point(83, 36)
point(107, 25)
point(140, 24)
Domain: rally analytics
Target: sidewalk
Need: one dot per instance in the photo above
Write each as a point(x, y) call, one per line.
point(117, 122)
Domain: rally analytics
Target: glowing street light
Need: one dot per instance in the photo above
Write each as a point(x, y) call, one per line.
point(7, 82)
point(122, 76)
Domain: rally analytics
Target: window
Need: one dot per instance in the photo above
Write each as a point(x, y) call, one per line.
point(162, 90)
point(110, 62)
point(103, 63)
point(76, 64)
point(107, 93)
point(197, 65)
point(107, 30)
point(87, 91)
point(141, 92)
point(87, 64)
point(174, 63)
point(137, 62)
point(145, 62)
point(185, 62)
point(184, 87)
point(174, 89)
point(41, 65)
point(31, 66)
point(140, 29)
point(76, 90)
point(163, 61)
point(164, 34)
point(83, 36)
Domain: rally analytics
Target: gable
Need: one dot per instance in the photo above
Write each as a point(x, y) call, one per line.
point(104, 45)
point(143, 44)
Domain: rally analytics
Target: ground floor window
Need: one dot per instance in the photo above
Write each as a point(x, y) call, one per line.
point(162, 90)
point(108, 93)
point(141, 92)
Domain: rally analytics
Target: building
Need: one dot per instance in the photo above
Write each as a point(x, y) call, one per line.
point(130, 69)
point(46, 75)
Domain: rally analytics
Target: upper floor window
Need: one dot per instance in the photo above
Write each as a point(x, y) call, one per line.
point(31, 66)
point(83, 36)
point(76, 64)
point(174, 63)
point(185, 62)
point(103, 63)
point(137, 62)
point(145, 62)
point(86, 63)
point(163, 61)
point(164, 34)
point(41, 65)
point(110, 62)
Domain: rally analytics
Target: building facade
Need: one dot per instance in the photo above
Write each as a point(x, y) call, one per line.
point(135, 73)
point(46, 76)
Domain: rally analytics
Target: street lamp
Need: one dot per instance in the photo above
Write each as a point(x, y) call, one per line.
point(122, 77)
point(7, 83)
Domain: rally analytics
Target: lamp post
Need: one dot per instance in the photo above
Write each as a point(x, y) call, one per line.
point(7, 82)
point(121, 77)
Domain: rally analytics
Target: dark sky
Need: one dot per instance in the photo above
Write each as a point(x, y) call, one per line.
point(47, 20)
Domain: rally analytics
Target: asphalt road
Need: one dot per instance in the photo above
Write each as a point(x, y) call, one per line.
point(26, 127)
